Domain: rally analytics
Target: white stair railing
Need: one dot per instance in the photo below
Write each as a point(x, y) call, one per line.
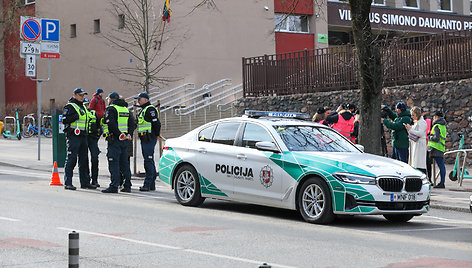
point(203, 104)
point(194, 94)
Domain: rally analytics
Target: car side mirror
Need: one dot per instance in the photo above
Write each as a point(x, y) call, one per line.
point(360, 147)
point(267, 146)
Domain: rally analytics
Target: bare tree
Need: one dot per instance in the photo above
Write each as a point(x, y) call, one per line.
point(370, 70)
point(138, 35)
point(9, 17)
point(10, 13)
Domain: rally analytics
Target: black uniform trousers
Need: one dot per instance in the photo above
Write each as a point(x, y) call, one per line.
point(77, 147)
point(94, 152)
point(118, 162)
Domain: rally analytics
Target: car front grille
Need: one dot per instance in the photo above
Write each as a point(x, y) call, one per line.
point(391, 184)
point(413, 184)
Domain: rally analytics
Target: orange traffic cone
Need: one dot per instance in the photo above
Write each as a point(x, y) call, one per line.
point(55, 180)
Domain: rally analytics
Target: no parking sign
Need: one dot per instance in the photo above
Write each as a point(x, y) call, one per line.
point(30, 28)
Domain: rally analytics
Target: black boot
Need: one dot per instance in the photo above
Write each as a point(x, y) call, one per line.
point(95, 182)
point(88, 186)
point(144, 189)
point(110, 190)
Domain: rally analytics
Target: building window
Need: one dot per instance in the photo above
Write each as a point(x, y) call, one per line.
point(121, 21)
point(445, 5)
point(73, 31)
point(96, 26)
point(291, 23)
point(470, 6)
point(378, 2)
point(27, 2)
point(410, 3)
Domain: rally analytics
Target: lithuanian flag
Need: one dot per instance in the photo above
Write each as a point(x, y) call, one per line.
point(166, 11)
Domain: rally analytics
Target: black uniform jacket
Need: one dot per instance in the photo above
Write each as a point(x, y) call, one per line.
point(70, 115)
point(152, 116)
point(111, 119)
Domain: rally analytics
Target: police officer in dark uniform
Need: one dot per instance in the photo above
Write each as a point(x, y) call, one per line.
point(75, 118)
point(94, 133)
point(149, 128)
point(120, 127)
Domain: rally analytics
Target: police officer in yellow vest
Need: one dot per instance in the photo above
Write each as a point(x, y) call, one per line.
point(120, 127)
point(94, 133)
point(75, 118)
point(149, 128)
point(437, 143)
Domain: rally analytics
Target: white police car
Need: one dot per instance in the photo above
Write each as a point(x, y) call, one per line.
point(289, 163)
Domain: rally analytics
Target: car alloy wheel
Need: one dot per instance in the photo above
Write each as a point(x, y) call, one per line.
point(314, 201)
point(187, 187)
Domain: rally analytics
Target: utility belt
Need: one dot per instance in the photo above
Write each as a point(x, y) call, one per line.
point(75, 132)
point(146, 136)
point(110, 137)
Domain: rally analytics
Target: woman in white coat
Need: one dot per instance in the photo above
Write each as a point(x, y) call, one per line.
point(417, 134)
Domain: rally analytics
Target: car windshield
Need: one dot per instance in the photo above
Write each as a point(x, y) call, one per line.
point(312, 138)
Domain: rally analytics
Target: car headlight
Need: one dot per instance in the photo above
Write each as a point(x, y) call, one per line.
point(424, 179)
point(355, 178)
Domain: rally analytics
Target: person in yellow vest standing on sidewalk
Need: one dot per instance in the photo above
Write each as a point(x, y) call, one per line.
point(120, 127)
point(149, 128)
point(75, 118)
point(94, 133)
point(437, 143)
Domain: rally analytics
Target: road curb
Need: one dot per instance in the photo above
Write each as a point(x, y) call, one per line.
point(451, 208)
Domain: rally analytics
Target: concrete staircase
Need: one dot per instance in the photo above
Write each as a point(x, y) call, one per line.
point(175, 126)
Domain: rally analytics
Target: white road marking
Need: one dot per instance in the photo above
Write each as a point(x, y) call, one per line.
point(175, 248)
point(23, 173)
point(8, 219)
point(439, 219)
point(426, 229)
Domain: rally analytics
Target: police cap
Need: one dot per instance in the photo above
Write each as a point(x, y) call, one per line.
point(114, 95)
point(142, 95)
point(79, 91)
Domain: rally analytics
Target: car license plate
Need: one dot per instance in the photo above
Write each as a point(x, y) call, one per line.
point(402, 197)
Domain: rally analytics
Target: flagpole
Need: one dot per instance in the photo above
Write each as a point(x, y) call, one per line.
point(162, 36)
point(158, 41)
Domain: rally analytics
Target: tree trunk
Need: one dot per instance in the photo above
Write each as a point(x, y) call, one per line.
point(369, 63)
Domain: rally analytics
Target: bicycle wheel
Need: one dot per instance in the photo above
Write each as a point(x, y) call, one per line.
point(27, 133)
point(47, 132)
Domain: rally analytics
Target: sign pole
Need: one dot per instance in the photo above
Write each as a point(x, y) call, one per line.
point(31, 30)
point(39, 106)
point(39, 120)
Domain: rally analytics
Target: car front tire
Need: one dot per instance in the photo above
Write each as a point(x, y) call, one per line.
point(187, 187)
point(398, 217)
point(315, 202)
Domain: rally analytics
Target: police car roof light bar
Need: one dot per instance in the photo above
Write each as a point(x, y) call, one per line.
point(256, 114)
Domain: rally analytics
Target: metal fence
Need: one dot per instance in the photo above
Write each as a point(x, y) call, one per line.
point(406, 60)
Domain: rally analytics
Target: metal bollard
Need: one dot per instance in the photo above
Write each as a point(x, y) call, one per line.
point(73, 250)
point(265, 265)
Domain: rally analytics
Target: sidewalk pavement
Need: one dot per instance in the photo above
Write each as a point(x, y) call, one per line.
point(24, 153)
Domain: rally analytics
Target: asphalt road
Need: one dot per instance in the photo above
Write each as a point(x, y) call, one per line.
point(153, 230)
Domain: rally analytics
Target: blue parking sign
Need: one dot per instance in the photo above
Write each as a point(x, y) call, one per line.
point(50, 30)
